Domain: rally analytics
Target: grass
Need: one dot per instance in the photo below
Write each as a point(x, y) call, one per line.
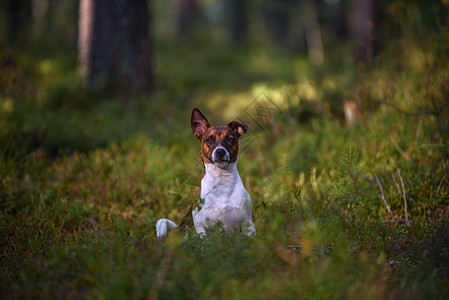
point(85, 176)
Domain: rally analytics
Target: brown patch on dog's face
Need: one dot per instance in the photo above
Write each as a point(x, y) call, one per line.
point(219, 136)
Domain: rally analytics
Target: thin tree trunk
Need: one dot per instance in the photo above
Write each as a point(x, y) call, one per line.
point(279, 19)
point(365, 27)
point(187, 14)
point(313, 34)
point(238, 20)
point(20, 14)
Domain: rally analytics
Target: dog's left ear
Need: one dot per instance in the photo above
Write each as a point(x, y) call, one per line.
point(199, 123)
point(239, 128)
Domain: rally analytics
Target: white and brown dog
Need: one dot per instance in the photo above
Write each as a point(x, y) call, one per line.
point(223, 199)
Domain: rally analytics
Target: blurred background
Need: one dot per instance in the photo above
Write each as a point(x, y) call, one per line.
point(67, 64)
point(70, 70)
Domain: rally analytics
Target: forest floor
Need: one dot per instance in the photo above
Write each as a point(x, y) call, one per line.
point(343, 209)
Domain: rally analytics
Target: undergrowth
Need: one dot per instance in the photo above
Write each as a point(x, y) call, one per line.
point(84, 179)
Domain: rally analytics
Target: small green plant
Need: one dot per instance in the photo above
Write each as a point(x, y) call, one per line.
point(346, 182)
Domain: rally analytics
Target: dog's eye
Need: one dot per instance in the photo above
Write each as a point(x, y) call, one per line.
point(209, 140)
point(230, 139)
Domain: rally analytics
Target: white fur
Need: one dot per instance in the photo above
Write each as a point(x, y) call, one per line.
point(225, 200)
point(163, 226)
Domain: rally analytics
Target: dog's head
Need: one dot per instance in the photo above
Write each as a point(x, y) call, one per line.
point(219, 144)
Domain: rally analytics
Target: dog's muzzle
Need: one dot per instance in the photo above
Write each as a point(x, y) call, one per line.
point(220, 157)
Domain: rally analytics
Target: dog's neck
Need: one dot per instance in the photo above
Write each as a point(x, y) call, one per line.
point(213, 171)
point(219, 181)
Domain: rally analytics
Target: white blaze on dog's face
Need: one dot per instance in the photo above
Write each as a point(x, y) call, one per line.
point(219, 144)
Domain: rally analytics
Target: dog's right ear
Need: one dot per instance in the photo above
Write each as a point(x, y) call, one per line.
point(199, 123)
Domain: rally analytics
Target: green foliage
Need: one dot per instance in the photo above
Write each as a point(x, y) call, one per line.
point(421, 254)
point(346, 182)
point(84, 177)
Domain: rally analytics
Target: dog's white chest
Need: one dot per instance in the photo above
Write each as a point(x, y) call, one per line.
point(223, 200)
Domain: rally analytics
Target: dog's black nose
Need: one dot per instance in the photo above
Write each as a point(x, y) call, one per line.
point(220, 152)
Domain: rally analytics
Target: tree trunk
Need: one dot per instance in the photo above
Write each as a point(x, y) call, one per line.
point(365, 27)
point(238, 20)
point(20, 14)
point(277, 14)
point(313, 33)
point(187, 15)
point(114, 44)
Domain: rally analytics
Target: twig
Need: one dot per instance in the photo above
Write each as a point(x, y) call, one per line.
point(399, 91)
point(383, 196)
point(408, 113)
point(424, 109)
point(418, 130)
point(443, 126)
point(394, 220)
point(421, 109)
point(407, 222)
point(354, 183)
point(441, 182)
point(297, 195)
point(340, 192)
point(161, 274)
point(364, 176)
point(405, 155)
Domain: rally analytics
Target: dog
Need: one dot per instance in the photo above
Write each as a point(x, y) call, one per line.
point(223, 198)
